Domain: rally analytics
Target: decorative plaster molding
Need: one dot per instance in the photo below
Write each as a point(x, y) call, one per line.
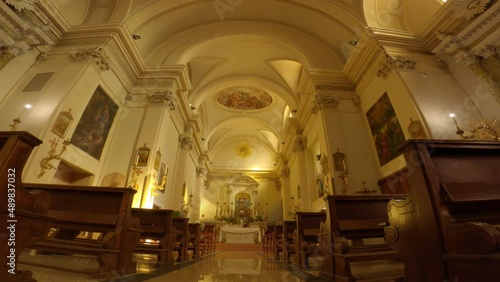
point(325, 102)
point(466, 58)
point(186, 142)
point(390, 63)
point(159, 97)
point(14, 50)
point(487, 51)
point(201, 171)
point(300, 143)
point(42, 56)
point(443, 66)
point(278, 184)
point(468, 8)
point(95, 56)
point(20, 5)
point(285, 172)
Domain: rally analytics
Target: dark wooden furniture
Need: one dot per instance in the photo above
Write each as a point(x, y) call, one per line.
point(449, 225)
point(28, 219)
point(289, 229)
point(355, 234)
point(306, 240)
point(194, 239)
point(181, 227)
point(207, 239)
point(267, 240)
point(105, 210)
point(278, 240)
point(158, 235)
point(395, 183)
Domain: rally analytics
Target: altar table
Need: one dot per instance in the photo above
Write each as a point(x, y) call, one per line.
point(239, 235)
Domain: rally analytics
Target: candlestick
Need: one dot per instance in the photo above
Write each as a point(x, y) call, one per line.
point(459, 130)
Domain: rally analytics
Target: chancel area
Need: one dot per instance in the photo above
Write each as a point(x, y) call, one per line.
point(250, 140)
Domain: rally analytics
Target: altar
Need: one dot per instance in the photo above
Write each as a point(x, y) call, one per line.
point(239, 235)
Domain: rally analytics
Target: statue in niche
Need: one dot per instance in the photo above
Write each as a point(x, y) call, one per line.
point(242, 202)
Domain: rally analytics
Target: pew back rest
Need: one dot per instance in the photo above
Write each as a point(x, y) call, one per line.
point(154, 223)
point(308, 225)
point(97, 209)
point(464, 180)
point(358, 217)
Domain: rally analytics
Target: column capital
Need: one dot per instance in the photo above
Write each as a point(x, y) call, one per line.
point(186, 142)
point(162, 98)
point(95, 56)
point(299, 144)
point(390, 63)
point(201, 171)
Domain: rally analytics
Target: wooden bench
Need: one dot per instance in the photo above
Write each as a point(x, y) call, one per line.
point(450, 223)
point(181, 227)
point(105, 210)
point(158, 235)
point(308, 228)
point(28, 218)
point(207, 239)
point(267, 240)
point(355, 239)
point(194, 239)
point(289, 230)
point(278, 240)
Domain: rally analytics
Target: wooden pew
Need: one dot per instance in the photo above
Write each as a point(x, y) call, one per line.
point(181, 227)
point(289, 227)
point(27, 220)
point(156, 225)
point(278, 240)
point(105, 210)
point(207, 239)
point(194, 239)
point(450, 223)
point(308, 228)
point(355, 240)
point(267, 240)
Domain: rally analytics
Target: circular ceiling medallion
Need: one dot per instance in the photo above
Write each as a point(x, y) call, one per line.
point(244, 98)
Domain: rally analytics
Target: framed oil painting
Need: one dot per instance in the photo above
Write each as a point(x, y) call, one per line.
point(386, 129)
point(62, 123)
point(416, 130)
point(156, 164)
point(93, 128)
point(142, 156)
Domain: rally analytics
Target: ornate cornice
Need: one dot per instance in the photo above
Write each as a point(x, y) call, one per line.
point(20, 5)
point(325, 102)
point(468, 8)
point(95, 56)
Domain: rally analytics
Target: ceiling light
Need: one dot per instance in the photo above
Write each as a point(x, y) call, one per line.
point(353, 42)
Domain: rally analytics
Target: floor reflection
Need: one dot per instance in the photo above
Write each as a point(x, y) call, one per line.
point(232, 266)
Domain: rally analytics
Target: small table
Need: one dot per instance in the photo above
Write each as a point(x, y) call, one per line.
point(239, 235)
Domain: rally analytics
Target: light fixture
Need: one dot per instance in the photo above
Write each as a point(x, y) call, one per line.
point(136, 36)
point(353, 42)
point(484, 129)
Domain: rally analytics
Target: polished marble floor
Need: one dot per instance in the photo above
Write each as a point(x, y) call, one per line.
point(220, 266)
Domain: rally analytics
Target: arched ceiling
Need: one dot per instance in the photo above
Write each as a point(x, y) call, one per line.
point(265, 44)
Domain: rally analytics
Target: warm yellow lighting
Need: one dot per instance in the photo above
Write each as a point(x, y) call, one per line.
point(28, 106)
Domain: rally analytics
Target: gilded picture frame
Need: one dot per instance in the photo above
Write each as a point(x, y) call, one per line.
point(62, 123)
point(156, 164)
point(142, 156)
point(416, 130)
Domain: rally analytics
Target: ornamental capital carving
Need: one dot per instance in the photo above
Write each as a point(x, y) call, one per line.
point(95, 56)
point(201, 171)
point(322, 101)
point(160, 97)
point(299, 144)
point(487, 51)
point(278, 184)
point(15, 50)
point(42, 56)
point(285, 172)
point(20, 5)
point(467, 58)
point(186, 142)
point(390, 63)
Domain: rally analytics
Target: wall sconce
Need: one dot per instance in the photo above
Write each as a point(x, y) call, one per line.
point(17, 120)
point(45, 162)
point(160, 187)
point(185, 206)
point(484, 130)
point(136, 171)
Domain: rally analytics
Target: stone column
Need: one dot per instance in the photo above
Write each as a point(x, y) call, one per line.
point(283, 184)
point(201, 174)
point(299, 147)
point(186, 144)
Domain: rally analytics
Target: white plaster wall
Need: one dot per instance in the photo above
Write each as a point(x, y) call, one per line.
point(10, 75)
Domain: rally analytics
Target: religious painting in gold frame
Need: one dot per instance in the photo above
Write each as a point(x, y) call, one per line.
point(416, 129)
point(62, 123)
point(142, 156)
